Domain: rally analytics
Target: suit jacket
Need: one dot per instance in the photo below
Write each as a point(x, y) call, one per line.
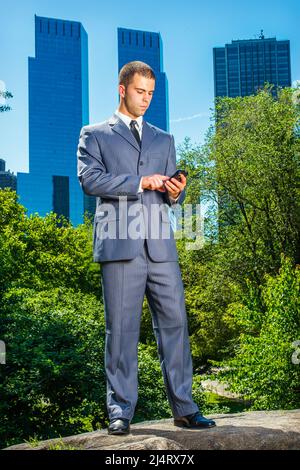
point(110, 165)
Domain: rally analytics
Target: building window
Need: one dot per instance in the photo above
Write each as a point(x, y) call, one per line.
point(150, 40)
point(136, 38)
point(122, 37)
point(144, 40)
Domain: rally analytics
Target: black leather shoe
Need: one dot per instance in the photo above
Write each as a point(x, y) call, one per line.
point(193, 421)
point(119, 426)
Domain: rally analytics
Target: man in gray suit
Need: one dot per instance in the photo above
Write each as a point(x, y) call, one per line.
point(127, 162)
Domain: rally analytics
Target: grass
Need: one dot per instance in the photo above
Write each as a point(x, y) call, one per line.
point(61, 445)
point(58, 445)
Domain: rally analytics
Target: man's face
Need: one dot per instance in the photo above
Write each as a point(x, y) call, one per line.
point(137, 96)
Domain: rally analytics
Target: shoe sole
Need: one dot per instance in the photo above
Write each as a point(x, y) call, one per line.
point(118, 432)
point(184, 425)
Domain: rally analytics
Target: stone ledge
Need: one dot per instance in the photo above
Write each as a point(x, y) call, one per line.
point(252, 430)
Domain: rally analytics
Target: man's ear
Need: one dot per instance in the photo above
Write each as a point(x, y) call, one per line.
point(122, 90)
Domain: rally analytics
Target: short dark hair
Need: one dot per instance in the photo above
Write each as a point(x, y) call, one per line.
point(128, 70)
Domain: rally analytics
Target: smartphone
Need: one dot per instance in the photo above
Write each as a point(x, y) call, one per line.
point(178, 173)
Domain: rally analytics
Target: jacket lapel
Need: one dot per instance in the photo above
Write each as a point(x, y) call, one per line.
point(120, 127)
point(148, 133)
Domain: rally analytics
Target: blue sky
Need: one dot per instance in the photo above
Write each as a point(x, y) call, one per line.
point(189, 30)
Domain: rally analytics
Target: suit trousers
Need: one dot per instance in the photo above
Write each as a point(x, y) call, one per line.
point(124, 284)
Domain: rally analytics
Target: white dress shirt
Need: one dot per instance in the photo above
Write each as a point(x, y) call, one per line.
point(127, 120)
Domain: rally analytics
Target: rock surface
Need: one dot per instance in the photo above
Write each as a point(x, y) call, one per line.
point(267, 430)
point(219, 388)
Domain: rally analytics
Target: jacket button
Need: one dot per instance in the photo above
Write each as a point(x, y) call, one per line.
point(141, 163)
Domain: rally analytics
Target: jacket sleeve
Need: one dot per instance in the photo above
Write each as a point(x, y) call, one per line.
point(170, 170)
point(92, 174)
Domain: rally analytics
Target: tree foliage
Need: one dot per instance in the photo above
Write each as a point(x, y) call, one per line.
point(262, 369)
point(6, 95)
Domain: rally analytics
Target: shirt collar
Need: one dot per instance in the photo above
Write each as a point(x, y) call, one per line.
point(128, 119)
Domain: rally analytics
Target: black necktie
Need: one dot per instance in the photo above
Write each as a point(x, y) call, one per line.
point(135, 131)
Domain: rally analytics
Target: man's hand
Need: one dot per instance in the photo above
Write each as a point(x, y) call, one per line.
point(174, 187)
point(154, 182)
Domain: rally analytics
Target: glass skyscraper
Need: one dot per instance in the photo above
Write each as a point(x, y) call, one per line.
point(243, 66)
point(58, 108)
point(147, 47)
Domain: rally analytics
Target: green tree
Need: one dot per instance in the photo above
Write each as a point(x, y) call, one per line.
point(44, 252)
point(256, 149)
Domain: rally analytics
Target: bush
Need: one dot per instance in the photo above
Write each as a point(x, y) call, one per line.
point(53, 382)
point(263, 370)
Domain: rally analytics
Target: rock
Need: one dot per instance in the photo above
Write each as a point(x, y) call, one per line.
point(220, 388)
point(151, 443)
point(259, 430)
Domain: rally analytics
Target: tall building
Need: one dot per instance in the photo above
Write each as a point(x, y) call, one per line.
point(7, 178)
point(243, 66)
point(147, 47)
point(58, 108)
